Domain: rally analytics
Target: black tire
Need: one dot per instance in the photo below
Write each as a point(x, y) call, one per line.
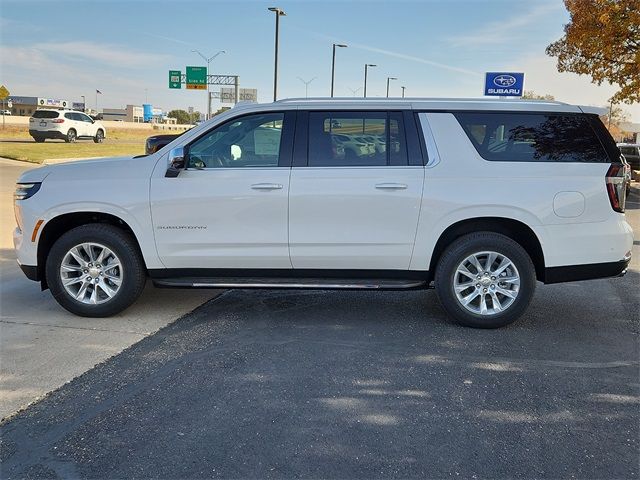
point(72, 136)
point(38, 139)
point(99, 138)
point(472, 243)
point(122, 244)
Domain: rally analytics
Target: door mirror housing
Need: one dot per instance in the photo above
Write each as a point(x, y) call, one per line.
point(177, 162)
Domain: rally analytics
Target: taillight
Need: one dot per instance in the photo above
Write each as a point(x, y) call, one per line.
point(616, 181)
point(58, 120)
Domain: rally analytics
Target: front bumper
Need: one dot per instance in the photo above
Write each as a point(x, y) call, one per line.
point(30, 271)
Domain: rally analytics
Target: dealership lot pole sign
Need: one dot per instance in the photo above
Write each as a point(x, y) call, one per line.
point(504, 84)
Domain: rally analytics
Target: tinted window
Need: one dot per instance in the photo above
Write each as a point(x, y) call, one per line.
point(83, 118)
point(250, 141)
point(533, 137)
point(629, 150)
point(71, 116)
point(356, 139)
point(45, 114)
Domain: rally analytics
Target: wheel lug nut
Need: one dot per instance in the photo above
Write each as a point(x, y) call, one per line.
point(493, 278)
point(485, 290)
point(477, 285)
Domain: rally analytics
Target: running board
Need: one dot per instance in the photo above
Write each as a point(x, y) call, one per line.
point(312, 283)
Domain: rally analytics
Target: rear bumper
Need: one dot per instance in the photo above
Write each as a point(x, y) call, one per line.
point(47, 134)
point(574, 273)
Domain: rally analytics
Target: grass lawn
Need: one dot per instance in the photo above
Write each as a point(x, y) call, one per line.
point(38, 152)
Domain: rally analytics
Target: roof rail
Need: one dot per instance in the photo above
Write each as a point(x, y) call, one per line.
point(412, 99)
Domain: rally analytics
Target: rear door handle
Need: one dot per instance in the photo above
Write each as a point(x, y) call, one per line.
point(266, 186)
point(391, 186)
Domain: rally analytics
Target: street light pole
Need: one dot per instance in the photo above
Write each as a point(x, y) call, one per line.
point(366, 67)
point(84, 103)
point(208, 60)
point(333, 63)
point(403, 91)
point(306, 85)
point(389, 78)
point(279, 12)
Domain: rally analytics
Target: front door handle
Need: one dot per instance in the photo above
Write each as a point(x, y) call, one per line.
point(391, 186)
point(266, 186)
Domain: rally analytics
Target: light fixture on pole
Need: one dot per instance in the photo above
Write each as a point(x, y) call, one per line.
point(333, 63)
point(388, 79)
point(306, 85)
point(279, 13)
point(208, 60)
point(403, 91)
point(366, 67)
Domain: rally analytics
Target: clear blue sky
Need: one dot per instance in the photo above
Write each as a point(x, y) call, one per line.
point(68, 48)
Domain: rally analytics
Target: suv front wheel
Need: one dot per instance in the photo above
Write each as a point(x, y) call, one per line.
point(485, 280)
point(95, 270)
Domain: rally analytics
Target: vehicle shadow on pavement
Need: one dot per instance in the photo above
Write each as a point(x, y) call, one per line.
point(281, 384)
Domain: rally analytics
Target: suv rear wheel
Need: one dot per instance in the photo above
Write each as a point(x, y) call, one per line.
point(485, 280)
point(71, 136)
point(38, 139)
point(95, 270)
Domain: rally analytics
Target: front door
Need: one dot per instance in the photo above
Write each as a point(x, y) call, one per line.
point(228, 209)
point(355, 203)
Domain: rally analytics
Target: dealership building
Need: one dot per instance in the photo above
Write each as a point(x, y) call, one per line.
point(25, 106)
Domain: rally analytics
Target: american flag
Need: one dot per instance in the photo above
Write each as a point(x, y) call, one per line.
point(98, 91)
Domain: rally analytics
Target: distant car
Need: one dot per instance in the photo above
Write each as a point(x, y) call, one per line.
point(6, 112)
point(156, 142)
point(631, 152)
point(67, 125)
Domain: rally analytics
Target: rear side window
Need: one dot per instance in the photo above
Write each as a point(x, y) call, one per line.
point(533, 137)
point(45, 114)
point(356, 139)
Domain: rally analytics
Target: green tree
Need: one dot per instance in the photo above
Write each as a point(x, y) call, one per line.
point(602, 40)
point(181, 116)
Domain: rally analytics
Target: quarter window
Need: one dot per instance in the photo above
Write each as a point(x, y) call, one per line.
point(356, 139)
point(250, 141)
point(532, 137)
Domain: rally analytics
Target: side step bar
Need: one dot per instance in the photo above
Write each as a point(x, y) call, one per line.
point(312, 283)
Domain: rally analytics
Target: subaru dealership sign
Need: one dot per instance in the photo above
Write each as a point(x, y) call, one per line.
point(504, 84)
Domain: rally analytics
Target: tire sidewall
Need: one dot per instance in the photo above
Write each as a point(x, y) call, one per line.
point(460, 250)
point(71, 138)
point(129, 289)
point(99, 138)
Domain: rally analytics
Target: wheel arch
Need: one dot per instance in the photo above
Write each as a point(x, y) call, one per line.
point(59, 225)
point(514, 229)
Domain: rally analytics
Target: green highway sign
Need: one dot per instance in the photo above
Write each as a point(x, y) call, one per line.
point(197, 78)
point(174, 79)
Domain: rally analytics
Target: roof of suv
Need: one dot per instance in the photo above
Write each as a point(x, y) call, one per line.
point(443, 104)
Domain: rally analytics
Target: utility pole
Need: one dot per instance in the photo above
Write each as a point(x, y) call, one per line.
point(279, 13)
point(333, 64)
point(366, 67)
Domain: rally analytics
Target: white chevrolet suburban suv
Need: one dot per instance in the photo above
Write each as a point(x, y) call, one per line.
point(480, 199)
point(67, 125)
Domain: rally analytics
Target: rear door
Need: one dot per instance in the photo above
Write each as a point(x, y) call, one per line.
point(75, 122)
point(352, 206)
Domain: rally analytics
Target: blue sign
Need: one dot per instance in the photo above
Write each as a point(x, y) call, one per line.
point(504, 84)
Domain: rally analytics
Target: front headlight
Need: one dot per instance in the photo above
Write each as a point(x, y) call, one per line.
point(26, 190)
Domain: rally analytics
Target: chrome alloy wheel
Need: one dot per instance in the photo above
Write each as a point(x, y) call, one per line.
point(91, 273)
point(486, 283)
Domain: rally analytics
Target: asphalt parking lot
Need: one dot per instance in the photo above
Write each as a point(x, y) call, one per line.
point(319, 384)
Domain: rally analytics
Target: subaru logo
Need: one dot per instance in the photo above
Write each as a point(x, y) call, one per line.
point(504, 80)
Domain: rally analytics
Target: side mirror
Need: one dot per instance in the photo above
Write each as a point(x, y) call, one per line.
point(177, 162)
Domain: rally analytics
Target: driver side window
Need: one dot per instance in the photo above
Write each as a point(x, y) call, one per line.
point(250, 141)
